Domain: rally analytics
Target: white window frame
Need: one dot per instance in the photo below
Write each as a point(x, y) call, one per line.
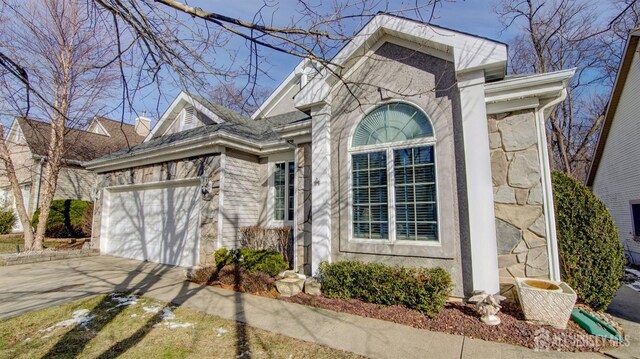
point(389, 147)
point(286, 163)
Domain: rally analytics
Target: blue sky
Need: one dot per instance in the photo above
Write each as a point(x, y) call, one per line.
point(472, 16)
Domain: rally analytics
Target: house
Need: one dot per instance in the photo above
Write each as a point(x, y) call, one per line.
point(430, 157)
point(28, 143)
point(612, 176)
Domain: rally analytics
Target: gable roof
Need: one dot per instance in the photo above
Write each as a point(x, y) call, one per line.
point(614, 100)
point(253, 133)
point(468, 52)
point(79, 145)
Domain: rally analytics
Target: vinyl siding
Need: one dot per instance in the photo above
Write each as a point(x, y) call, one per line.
point(75, 183)
point(617, 181)
point(242, 195)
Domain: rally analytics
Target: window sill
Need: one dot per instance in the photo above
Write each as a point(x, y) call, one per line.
point(427, 249)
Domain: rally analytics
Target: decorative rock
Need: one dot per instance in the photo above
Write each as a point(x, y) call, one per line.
point(493, 125)
point(537, 262)
point(506, 260)
point(521, 195)
point(504, 194)
point(520, 216)
point(521, 248)
point(532, 240)
point(312, 286)
point(535, 194)
point(517, 270)
point(495, 140)
point(288, 274)
point(507, 235)
point(522, 257)
point(289, 286)
point(498, 167)
point(518, 132)
point(538, 227)
point(524, 170)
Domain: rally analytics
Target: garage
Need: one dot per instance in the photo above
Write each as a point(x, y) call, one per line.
point(156, 223)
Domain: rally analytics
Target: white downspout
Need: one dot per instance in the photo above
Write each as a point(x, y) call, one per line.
point(547, 192)
point(37, 201)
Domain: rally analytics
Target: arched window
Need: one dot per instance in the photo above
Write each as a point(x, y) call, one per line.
point(394, 176)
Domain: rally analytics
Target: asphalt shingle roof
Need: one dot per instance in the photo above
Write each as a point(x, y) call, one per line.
point(260, 130)
point(80, 145)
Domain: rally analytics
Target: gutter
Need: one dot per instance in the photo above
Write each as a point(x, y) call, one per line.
point(155, 155)
point(547, 188)
point(37, 202)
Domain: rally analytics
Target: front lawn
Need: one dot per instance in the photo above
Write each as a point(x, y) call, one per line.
point(8, 244)
point(109, 326)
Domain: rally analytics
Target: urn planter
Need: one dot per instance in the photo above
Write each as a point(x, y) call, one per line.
point(546, 302)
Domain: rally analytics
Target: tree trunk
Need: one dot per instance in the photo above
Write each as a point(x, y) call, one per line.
point(17, 194)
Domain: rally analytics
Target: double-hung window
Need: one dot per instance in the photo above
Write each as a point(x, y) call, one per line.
point(284, 191)
point(393, 176)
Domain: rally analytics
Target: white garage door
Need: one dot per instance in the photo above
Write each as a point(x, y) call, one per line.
point(156, 224)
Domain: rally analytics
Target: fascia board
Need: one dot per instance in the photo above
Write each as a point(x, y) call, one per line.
point(539, 85)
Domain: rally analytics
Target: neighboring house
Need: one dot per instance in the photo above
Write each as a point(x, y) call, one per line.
point(614, 173)
point(28, 142)
point(432, 158)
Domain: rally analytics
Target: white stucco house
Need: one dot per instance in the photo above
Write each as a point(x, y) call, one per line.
point(422, 153)
point(613, 176)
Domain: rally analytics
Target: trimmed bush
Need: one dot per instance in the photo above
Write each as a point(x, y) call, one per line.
point(426, 290)
point(7, 220)
point(278, 239)
point(252, 260)
point(591, 256)
point(87, 220)
point(65, 218)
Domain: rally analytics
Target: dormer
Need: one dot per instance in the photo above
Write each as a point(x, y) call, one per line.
point(185, 113)
point(96, 127)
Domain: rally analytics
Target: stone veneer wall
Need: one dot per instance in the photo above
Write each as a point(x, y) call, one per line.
point(517, 195)
point(303, 210)
point(196, 167)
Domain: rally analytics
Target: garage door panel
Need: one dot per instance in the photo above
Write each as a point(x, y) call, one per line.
point(157, 224)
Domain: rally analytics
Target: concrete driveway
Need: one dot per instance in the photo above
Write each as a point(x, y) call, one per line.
point(34, 286)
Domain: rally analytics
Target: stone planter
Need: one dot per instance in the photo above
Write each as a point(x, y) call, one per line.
point(546, 302)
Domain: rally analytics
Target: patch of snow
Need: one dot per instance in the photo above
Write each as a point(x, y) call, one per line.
point(174, 325)
point(221, 331)
point(167, 314)
point(123, 301)
point(134, 315)
point(633, 271)
point(80, 317)
point(635, 285)
point(168, 319)
point(153, 310)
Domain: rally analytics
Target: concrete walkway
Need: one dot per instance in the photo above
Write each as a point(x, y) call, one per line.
point(34, 286)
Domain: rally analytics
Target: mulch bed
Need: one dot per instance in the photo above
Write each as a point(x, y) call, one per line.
point(462, 319)
point(455, 318)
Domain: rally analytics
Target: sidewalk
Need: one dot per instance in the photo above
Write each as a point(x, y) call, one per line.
point(52, 284)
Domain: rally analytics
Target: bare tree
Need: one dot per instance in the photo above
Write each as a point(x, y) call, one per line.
point(242, 99)
point(65, 72)
point(562, 34)
point(160, 44)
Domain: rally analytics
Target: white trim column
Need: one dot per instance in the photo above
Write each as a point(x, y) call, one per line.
point(320, 186)
point(482, 229)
